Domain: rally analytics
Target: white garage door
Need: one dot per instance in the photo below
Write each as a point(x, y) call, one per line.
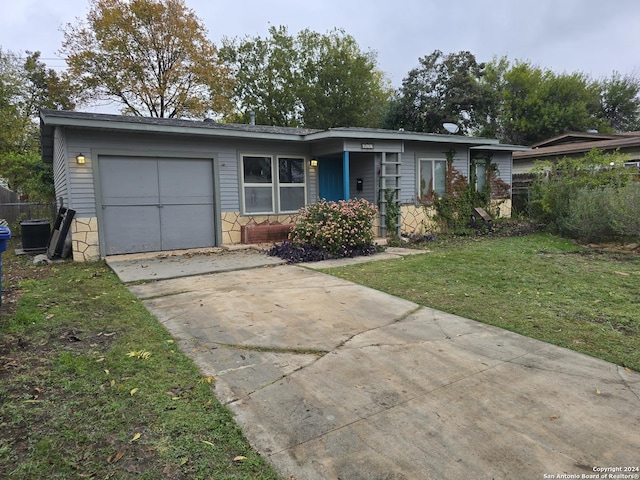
point(152, 204)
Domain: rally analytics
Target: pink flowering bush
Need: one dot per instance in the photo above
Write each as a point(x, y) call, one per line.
point(337, 227)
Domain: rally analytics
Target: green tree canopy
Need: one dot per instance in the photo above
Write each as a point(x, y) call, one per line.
point(537, 104)
point(310, 79)
point(443, 88)
point(620, 102)
point(26, 86)
point(152, 56)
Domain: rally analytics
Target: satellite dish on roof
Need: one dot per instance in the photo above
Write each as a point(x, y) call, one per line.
point(451, 127)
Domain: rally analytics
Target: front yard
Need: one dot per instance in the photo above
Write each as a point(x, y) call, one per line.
point(92, 386)
point(538, 285)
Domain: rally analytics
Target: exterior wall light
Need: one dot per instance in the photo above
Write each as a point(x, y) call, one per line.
point(313, 162)
point(80, 158)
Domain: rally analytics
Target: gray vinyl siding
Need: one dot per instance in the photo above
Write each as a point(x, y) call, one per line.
point(362, 165)
point(355, 145)
point(226, 153)
point(502, 160)
point(408, 171)
point(312, 184)
point(60, 176)
point(229, 181)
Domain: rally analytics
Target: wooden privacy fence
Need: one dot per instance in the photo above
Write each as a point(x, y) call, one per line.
point(14, 213)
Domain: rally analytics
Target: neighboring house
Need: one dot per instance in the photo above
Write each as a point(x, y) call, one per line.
point(148, 184)
point(572, 144)
point(576, 144)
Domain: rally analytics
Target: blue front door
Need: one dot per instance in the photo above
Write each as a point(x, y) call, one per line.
point(330, 179)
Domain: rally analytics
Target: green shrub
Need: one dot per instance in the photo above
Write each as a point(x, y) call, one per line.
point(392, 212)
point(589, 215)
point(577, 196)
point(335, 226)
point(625, 211)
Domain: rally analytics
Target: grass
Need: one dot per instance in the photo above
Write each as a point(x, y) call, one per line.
point(92, 386)
point(537, 285)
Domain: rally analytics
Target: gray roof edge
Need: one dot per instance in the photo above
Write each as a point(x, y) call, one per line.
point(501, 147)
point(379, 134)
point(51, 118)
point(181, 127)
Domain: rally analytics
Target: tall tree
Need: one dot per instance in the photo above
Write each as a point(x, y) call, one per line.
point(26, 85)
point(152, 56)
point(537, 104)
point(310, 79)
point(443, 88)
point(620, 102)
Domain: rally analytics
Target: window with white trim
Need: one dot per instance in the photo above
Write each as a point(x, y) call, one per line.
point(480, 175)
point(291, 184)
point(273, 188)
point(257, 184)
point(432, 177)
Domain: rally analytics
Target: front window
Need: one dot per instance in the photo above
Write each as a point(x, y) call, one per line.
point(481, 176)
point(258, 184)
point(291, 184)
point(433, 177)
point(269, 188)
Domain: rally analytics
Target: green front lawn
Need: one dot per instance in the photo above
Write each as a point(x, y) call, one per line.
point(92, 386)
point(537, 285)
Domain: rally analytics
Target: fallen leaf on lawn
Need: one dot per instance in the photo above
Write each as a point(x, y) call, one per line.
point(115, 457)
point(142, 354)
point(239, 458)
point(183, 461)
point(554, 417)
point(112, 383)
point(133, 391)
point(205, 380)
point(622, 273)
point(170, 393)
point(598, 392)
point(136, 437)
point(207, 442)
point(101, 359)
point(106, 370)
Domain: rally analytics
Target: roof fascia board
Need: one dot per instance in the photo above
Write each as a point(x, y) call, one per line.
point(170, 129)
point(501, 147)
point(342, 134)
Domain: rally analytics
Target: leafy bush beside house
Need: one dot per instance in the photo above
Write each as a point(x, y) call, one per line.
point(591, 199)
point(330, 230)
point(335, 225)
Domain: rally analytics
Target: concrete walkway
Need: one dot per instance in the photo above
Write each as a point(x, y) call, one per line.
point(331, 380)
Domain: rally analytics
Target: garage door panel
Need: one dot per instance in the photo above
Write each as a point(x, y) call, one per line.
point(129, 181)
point(185, 181)
point(187, 226)
point(132, 229)
point(152, 204)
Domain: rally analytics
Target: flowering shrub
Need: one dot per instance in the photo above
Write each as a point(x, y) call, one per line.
point(337, 227)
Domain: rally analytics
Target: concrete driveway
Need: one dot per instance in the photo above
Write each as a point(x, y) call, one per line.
point(331, 380)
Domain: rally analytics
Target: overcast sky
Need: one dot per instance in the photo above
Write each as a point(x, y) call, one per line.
point(595, 37)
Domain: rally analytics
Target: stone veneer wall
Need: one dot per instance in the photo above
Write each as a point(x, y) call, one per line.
point(85, 244)
point(233, 221)
point(416, 220)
